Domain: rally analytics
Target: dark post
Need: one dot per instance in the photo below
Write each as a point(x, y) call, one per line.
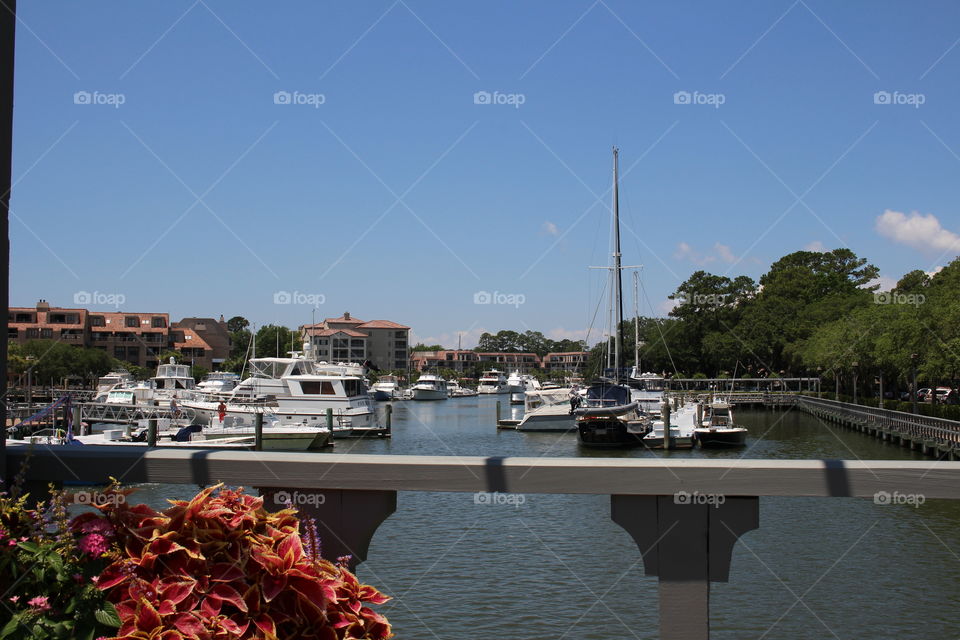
point(388, 415)
point(836, 385)
point(152, 432)
point(8, 23)
point(913, 387)
point(855, 365)
point(258, 432)
point(881, 390)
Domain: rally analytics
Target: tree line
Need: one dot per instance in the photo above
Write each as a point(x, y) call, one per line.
point(812, 314)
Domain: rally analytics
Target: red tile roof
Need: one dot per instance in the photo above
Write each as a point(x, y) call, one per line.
point(116, 321)
point(381, 324)
point(343, 320)
point(191, 340)
point(329, 332)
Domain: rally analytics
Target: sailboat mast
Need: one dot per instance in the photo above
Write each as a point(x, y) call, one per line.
point(618, 274)
point(636, 321)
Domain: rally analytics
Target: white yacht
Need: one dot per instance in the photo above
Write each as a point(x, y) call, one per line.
point(547, 410)
point(173, 380)
point(385, 388)
point(218, 382)
point(297, 391)
point(527, 383)
point(114, 380)
point(646, 389)
point(492, 381)
point(515, 382)
point(429, 387)
point(454, 390)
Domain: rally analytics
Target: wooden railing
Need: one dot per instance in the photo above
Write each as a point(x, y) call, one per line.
point(685, 516)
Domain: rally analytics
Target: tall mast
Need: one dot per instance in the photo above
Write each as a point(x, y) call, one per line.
point(618, 300)
point(636, 322)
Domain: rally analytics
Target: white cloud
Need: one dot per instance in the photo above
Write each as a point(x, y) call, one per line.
point(725, 253)
point(934, 272)
point(549, 229)
point(922, 232)
point(886, 283)
point(816, 245)
point(720, 252)
point(667, 306)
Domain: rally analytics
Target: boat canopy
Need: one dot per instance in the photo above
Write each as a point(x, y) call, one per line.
point(605, 394)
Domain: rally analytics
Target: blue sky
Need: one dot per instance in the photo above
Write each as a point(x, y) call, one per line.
point(388, 192)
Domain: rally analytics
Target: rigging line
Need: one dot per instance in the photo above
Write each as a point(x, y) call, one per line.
point(595, 312)
point(663, 338)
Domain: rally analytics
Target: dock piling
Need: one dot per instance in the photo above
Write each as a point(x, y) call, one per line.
point(258, 431)
point(152, 432)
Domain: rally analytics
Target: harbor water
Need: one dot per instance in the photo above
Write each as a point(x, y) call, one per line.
point(555, 566)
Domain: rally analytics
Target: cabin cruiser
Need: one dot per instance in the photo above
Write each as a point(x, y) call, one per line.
point(515, 383)
point(173, 381)
point(385, 388)
point(429, 387)
point(547, 410)
point(682, 423)
point(454, 390)
point(114, 380)
point(527, 383)
point(647, 390)
point(218, 382)
point(296, 391)
point(718, 428)
point(608, 418)
point(492, 381)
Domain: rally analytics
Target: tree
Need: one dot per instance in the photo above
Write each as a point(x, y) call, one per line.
point(273, 340)
point(237, 323)
point(426, 347)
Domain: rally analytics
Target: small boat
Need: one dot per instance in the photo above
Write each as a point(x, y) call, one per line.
point(429, 387)
point(492, 381)
point(647, 390)
point(454, 390)
point(547, 410)
point(528, 383)
point(718, 429)
point(218, 382)
point(385, 388)
point(609, 419)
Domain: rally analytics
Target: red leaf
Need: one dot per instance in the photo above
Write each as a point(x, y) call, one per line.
point(177, 591)
point(225, 572)
point(210, 607)
point(147, 617)
point(189, 625)
point(228, 594)
point(272, 586)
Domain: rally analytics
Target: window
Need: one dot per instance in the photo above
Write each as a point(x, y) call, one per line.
point(400, 354)
point(400, 334)
point(24, 317)
point(11, 332)
point(158, 322)
point(96, 321)
point(321, 387)
point(133, 352)
point(119, 352)
point(356, 343)
point(131, 321)
point(353, 388)
point(46, 334)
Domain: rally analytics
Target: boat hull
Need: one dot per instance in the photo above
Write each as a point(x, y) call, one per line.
point(610, 433)
point(721, 438)
point(556, 422)
point(429, 394)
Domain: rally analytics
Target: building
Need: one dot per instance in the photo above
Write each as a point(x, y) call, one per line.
point(135, 338)
point(214, 333)
point(382, 343)
point(504, 361)
point(459, 360)
point(196, 351)
point(567, 361)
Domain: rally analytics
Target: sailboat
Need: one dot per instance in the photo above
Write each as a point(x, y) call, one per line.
point(608, 417)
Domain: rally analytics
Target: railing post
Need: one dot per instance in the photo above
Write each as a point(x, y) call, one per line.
point(686, 540)
point(346, 519)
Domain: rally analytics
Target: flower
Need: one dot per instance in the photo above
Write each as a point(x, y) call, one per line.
point(14, 599)
point(39, 603)
point(93, 544)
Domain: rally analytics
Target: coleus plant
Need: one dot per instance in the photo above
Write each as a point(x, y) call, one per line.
point(220, 566)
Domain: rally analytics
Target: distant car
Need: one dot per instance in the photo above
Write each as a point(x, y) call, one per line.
point(941, 394)
point(923, 395)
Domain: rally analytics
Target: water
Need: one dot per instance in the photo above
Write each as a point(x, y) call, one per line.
point(556, 566)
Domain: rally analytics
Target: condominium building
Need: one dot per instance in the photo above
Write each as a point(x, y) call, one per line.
point(382, 343)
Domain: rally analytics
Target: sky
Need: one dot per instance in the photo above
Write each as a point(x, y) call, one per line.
point(448, 165)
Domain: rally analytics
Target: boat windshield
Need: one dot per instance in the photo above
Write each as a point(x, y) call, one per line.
point(607, 395)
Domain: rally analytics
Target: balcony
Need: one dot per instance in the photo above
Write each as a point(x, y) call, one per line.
point(686, 546)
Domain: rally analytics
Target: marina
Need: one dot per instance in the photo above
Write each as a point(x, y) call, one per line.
point(478, 520)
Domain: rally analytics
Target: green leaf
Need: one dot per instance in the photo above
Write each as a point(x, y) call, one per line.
point(10, 627)
point(32, 547)
point(108, 616)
